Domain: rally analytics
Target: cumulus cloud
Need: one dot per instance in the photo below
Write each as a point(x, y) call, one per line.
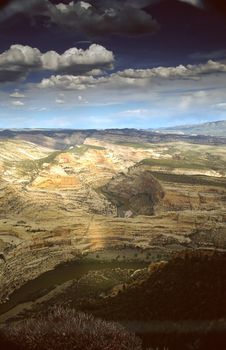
point(71, 82)
point(178, 72)
point(78, 60)
point(19, 55)
point(135, 77)
point(109, 17)
point(100, 18)
point(19, 60)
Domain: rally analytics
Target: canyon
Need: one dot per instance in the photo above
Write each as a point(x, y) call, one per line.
point(106, 195)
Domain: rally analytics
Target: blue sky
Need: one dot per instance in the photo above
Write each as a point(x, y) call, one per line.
point(111, 64)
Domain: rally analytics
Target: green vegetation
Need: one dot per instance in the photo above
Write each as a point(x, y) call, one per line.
point(33, 166)
point(181, 164)
point(183, 155)
point(82, 149)
point(190, 179)
point(87, 270)
point(137, 145)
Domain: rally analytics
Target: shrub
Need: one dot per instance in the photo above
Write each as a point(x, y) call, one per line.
point(67, 329)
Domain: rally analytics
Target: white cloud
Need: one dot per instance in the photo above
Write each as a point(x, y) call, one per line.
point(16, 62)
point(71, 82)
point(20, 55)
point(221, 106)
point(59, 101)
point(19, 60)
point(185, 102)
point(78, 59)
point(84, 5)
point(17, 103)
point(17, 94)
point(134, 112)
point(135, 78)
point(188, 101)
point(95, 72)
point(178, 72)
point(39, 109)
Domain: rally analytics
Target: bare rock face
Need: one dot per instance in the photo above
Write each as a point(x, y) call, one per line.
point(134, 193)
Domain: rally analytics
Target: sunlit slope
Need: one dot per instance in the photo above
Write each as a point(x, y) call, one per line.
point(13, 150)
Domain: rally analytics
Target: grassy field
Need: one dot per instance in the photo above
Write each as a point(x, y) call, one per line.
point(33, 166)
point(176, 164)
point(182, 155)
point(82, 149)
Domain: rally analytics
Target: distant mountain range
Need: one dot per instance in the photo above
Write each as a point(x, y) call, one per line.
point(60, 139)
point(214, 129)
point(217, 128)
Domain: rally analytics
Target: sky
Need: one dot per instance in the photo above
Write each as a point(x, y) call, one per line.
point(112, 63)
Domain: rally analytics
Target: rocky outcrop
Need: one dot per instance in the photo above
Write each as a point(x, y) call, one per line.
point(136, 192)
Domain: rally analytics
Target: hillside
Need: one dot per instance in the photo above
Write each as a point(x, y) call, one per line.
point(191, 286)
point(177, 304)
point(217, 129)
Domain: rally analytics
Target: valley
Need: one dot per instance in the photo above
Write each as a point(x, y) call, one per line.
point(124, 200)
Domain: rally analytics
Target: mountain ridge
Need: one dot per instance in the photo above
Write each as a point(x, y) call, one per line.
point(216, 128)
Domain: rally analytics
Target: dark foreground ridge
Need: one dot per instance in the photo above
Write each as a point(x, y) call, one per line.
point(177, 305)
point(66, 329)
point(191, 286)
